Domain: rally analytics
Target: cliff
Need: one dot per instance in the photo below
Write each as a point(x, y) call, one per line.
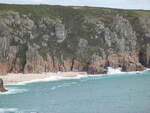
point(43, 38)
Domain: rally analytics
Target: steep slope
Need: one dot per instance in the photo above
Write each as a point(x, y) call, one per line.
point(42, 38)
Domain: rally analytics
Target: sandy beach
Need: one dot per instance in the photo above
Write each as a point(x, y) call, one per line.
point(13, 78)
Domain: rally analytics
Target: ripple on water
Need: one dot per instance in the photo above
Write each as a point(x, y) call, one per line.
point(13, 91)
point(63, 85)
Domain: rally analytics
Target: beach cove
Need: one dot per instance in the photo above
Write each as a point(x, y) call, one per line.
point(20, 78)
point(121, 92)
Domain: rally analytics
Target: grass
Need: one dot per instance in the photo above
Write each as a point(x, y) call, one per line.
point(3, 13)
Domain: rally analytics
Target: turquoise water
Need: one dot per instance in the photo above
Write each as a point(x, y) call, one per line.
point(124, 93)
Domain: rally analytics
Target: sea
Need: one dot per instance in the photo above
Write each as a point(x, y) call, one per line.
point(115, 92)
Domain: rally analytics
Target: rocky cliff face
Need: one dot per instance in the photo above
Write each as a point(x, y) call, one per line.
point(35, 39)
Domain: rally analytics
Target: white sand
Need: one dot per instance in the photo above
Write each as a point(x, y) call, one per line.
point(13, 78)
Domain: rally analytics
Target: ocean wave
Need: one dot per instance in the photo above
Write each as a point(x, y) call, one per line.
point(117, 71)
point(13, 91)
point(8, 110)
point(63, 85)
point(111, 70)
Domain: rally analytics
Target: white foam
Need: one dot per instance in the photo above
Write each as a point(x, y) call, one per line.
point(6, 110)
point(110, 71)
point(114, 71)
point(51, 78)
point(14, 91)
point(147, 69)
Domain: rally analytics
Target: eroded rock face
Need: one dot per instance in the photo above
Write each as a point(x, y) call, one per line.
point(143, 32)
point(128, 61)
point(2, 89)
point(60, 32)
point(36, 44)
point(148, 55)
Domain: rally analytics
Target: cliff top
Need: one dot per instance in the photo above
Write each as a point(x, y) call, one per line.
point(55, 10)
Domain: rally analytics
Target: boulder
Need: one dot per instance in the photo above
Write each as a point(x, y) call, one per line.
point(2, 89)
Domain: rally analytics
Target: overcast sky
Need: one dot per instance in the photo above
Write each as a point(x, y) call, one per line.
point(125, 4)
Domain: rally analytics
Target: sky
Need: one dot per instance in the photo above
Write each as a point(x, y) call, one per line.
point(123, 4)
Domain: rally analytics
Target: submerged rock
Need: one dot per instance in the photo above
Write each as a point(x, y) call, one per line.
point(2, 89)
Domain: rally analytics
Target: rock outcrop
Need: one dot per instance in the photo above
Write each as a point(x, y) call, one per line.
point(55, 38)
point(2, 89)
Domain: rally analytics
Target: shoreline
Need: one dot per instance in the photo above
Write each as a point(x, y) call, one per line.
point(21, 79)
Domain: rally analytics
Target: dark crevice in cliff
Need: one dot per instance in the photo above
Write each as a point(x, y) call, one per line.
point(86, 67)
point(53, 62)
point(64, 67)
point(13, 65)
point(71, 68)
point(142, 58)
point(21, 55)
point(107, 64)
point(124, 68)
point(89, 69)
